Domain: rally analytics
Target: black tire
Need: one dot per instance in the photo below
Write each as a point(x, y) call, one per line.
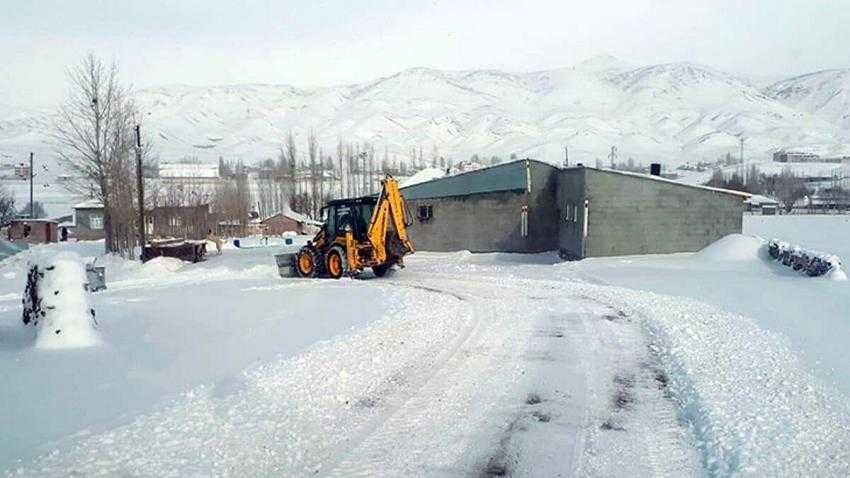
point(336, 263)
point(381, 270)
point(308, 262)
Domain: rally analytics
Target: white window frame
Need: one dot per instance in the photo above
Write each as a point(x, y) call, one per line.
point(96, 222)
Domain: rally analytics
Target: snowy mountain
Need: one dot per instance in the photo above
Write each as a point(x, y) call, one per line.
point(823, 93)
point(671, 113)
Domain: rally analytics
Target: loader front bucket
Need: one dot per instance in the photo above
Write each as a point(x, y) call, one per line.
point(286, 264)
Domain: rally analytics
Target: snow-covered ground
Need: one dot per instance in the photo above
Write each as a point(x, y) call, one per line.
point(460, 364)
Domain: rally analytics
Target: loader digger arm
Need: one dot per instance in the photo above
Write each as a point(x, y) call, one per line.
point(390, 207)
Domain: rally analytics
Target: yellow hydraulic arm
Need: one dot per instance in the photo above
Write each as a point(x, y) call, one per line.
point(390, 205)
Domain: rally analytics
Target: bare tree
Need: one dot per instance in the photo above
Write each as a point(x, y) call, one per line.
point(37, 209)
point(7, 207)
point(94, 136)
point(790, 189)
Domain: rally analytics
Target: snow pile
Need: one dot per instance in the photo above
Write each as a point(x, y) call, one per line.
point(427, 174)
point(734, 247)
point(752, 405)
point(811, 263)
point(8, 249)
point(56, 303)
point(162, 265)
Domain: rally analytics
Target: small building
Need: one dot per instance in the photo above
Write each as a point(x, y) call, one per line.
point(187, 222)
point(22, 172)
point(795, 157)
point(757, 204)
point(288, 221)
point(33, 231)
point(88, 220)
point(531, 206)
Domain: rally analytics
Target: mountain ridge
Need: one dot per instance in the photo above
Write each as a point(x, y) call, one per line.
point(673, 112)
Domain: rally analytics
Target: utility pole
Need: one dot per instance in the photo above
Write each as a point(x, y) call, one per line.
point(141, 190)
point(741, 140)
point(32, 175)
point(566, 156)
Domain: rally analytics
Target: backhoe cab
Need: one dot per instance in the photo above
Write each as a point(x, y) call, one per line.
point(358, 233)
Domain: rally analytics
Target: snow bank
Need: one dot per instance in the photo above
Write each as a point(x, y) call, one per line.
point(734, 247)
point(752, 405)
point(162, 265)
point(66, 318)
point(11, 248)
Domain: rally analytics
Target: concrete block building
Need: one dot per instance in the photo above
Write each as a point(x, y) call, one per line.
point(531, 206)
point(88, 220)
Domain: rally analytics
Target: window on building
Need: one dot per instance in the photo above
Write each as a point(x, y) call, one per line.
point(425, 212)
point(96, 222)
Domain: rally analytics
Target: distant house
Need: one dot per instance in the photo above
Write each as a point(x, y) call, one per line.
point(190, 170)
point(288, 221)
point(88, 220)
point(189, 222)
point(33, 231)
point(231, 228)
point(763, 205)
point(795, 157)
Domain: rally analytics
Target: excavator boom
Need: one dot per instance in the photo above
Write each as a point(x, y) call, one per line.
point(390, 206)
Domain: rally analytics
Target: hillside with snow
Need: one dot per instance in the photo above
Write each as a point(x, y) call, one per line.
point(823, 93)
point(672, 113)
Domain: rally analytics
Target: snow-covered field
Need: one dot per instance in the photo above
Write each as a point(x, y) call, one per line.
point(461, 364)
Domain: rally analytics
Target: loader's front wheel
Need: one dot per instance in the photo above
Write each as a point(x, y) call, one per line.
point(336, 263)
point(307, 261)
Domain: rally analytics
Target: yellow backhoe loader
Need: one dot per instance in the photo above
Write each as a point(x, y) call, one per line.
point(358, 233)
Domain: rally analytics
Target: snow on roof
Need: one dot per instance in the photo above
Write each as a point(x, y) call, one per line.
point(659, 178)
point(192, 170)
point(89, 204)
point(759, 199)
point(422, 176)
point(295, 216)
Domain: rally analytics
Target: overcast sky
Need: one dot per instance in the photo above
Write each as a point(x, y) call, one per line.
point(314, 42)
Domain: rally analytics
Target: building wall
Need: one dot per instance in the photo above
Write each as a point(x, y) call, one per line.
point(570, 200)
point(543, 227)
point(485, 222)
point(634, 215)
point(83, 220)
point(40, 232)
point(491, 221)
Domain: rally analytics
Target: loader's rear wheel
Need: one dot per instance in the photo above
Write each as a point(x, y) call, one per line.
point(307, 261)
point(336, 264)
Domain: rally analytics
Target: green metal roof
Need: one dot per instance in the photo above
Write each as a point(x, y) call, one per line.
point(504, 177)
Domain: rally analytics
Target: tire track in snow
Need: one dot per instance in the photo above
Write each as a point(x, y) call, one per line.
point(508, 436)
point(285, 418)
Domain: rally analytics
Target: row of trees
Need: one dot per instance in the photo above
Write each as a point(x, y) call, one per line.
point(786, 187)
point(7, 206)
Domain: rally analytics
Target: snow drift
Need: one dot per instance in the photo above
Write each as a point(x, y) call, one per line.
point(734, 247)
point(56, 303)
